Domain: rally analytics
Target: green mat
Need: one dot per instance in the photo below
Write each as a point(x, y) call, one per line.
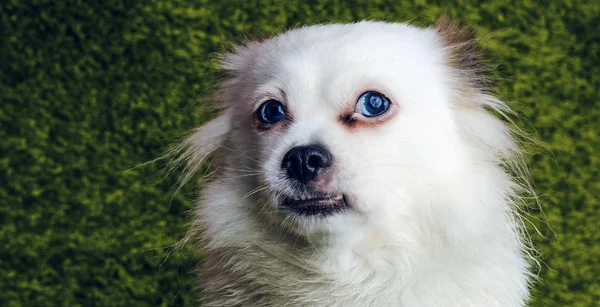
point(91, 89)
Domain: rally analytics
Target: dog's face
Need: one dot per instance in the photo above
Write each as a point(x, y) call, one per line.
point(343, 123)
point(331, 128)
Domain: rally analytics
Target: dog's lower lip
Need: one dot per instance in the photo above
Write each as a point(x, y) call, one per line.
point(316, 205)
point(321, 200)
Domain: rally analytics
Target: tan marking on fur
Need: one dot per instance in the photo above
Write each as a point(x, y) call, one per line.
point(354, 121)
point(464, 52)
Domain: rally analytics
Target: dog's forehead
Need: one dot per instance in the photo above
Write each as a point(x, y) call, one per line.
point(325, 63)
point(344, 45)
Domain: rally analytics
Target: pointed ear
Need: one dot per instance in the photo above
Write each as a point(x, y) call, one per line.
point(201, 144)
point(463, 52)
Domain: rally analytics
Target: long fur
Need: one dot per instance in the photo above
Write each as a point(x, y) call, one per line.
point(437, 188)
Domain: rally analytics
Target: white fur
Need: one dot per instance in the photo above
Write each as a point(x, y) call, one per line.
point(434, 188)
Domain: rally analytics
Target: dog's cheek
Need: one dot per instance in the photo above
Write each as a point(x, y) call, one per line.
point(364, 175)
point(272, 150)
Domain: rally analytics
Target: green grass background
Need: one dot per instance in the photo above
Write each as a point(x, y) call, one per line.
point(90, 89)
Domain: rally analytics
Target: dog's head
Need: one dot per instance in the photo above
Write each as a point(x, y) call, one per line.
point(327, 128)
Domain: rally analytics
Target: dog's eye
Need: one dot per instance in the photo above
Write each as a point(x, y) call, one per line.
point(270, 112)
point(371, 104)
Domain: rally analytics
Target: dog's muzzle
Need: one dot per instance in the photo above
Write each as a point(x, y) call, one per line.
point(308, 166)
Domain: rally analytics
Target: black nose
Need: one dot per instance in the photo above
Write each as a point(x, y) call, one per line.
point(303, 163)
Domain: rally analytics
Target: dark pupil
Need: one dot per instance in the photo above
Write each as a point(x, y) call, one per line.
point(273, 112)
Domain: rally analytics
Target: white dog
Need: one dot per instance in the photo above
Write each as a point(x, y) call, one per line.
point(359, 165)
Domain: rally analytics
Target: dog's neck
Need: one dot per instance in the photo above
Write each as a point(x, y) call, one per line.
point(372, 270)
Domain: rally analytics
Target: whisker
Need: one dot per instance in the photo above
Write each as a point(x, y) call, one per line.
point(239, 153)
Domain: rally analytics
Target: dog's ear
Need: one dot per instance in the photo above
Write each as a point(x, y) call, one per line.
point(240, 58)
point(463, 52)
point(201, 144)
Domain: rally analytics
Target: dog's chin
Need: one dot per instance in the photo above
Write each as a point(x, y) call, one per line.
point(315, 205)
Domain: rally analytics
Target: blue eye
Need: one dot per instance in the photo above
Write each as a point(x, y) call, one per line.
point(270, 112)
point(371, 104)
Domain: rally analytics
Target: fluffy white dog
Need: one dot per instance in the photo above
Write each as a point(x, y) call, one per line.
point(360, 165)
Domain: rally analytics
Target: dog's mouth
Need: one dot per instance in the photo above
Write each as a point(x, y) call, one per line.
point(316, 205)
